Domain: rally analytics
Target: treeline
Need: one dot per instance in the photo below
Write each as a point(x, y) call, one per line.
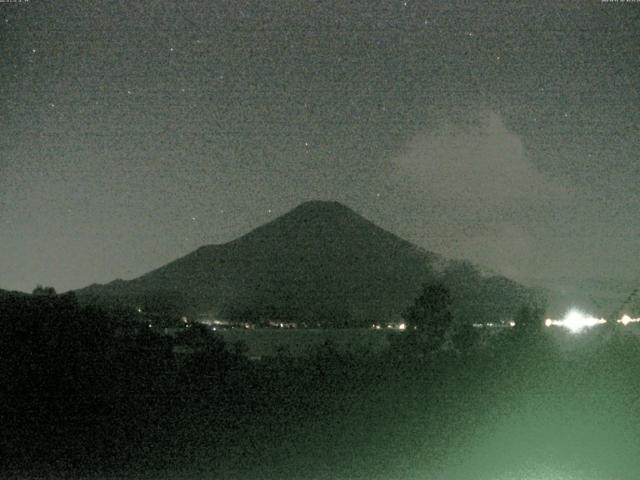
point(83, 385)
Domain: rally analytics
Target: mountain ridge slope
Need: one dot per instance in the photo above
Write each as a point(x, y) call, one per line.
point(320, 263)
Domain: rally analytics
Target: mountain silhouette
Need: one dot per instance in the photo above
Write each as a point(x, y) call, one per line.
point(320, 263)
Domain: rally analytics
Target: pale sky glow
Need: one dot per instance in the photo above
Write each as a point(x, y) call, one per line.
point(449, 124)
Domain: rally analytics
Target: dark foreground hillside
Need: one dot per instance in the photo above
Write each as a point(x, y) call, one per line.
point(82, 401)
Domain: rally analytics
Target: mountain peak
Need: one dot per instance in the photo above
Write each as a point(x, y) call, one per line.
point(322, 204)
point(323, 207)
point(312, 219)
point(326, 212)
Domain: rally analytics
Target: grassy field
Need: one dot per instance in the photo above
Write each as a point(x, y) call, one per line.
point(268, 342)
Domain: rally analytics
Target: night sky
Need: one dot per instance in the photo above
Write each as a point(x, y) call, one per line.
point(134, 132)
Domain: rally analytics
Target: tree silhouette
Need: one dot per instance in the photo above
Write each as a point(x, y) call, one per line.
point(40, 290)
point(430, 315)
point(529, 318)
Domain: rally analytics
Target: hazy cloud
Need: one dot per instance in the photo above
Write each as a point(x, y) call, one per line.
point(482, 195)
point(481, 168)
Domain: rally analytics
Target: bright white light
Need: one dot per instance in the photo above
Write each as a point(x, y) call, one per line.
point(402, 326)
point(575, 321)
point(626, 320)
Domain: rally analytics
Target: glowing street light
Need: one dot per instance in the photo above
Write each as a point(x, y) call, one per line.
point(575, 321)
point(626, 320)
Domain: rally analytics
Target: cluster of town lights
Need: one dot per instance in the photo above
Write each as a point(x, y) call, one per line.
point(391, 326)
point(576, 321)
